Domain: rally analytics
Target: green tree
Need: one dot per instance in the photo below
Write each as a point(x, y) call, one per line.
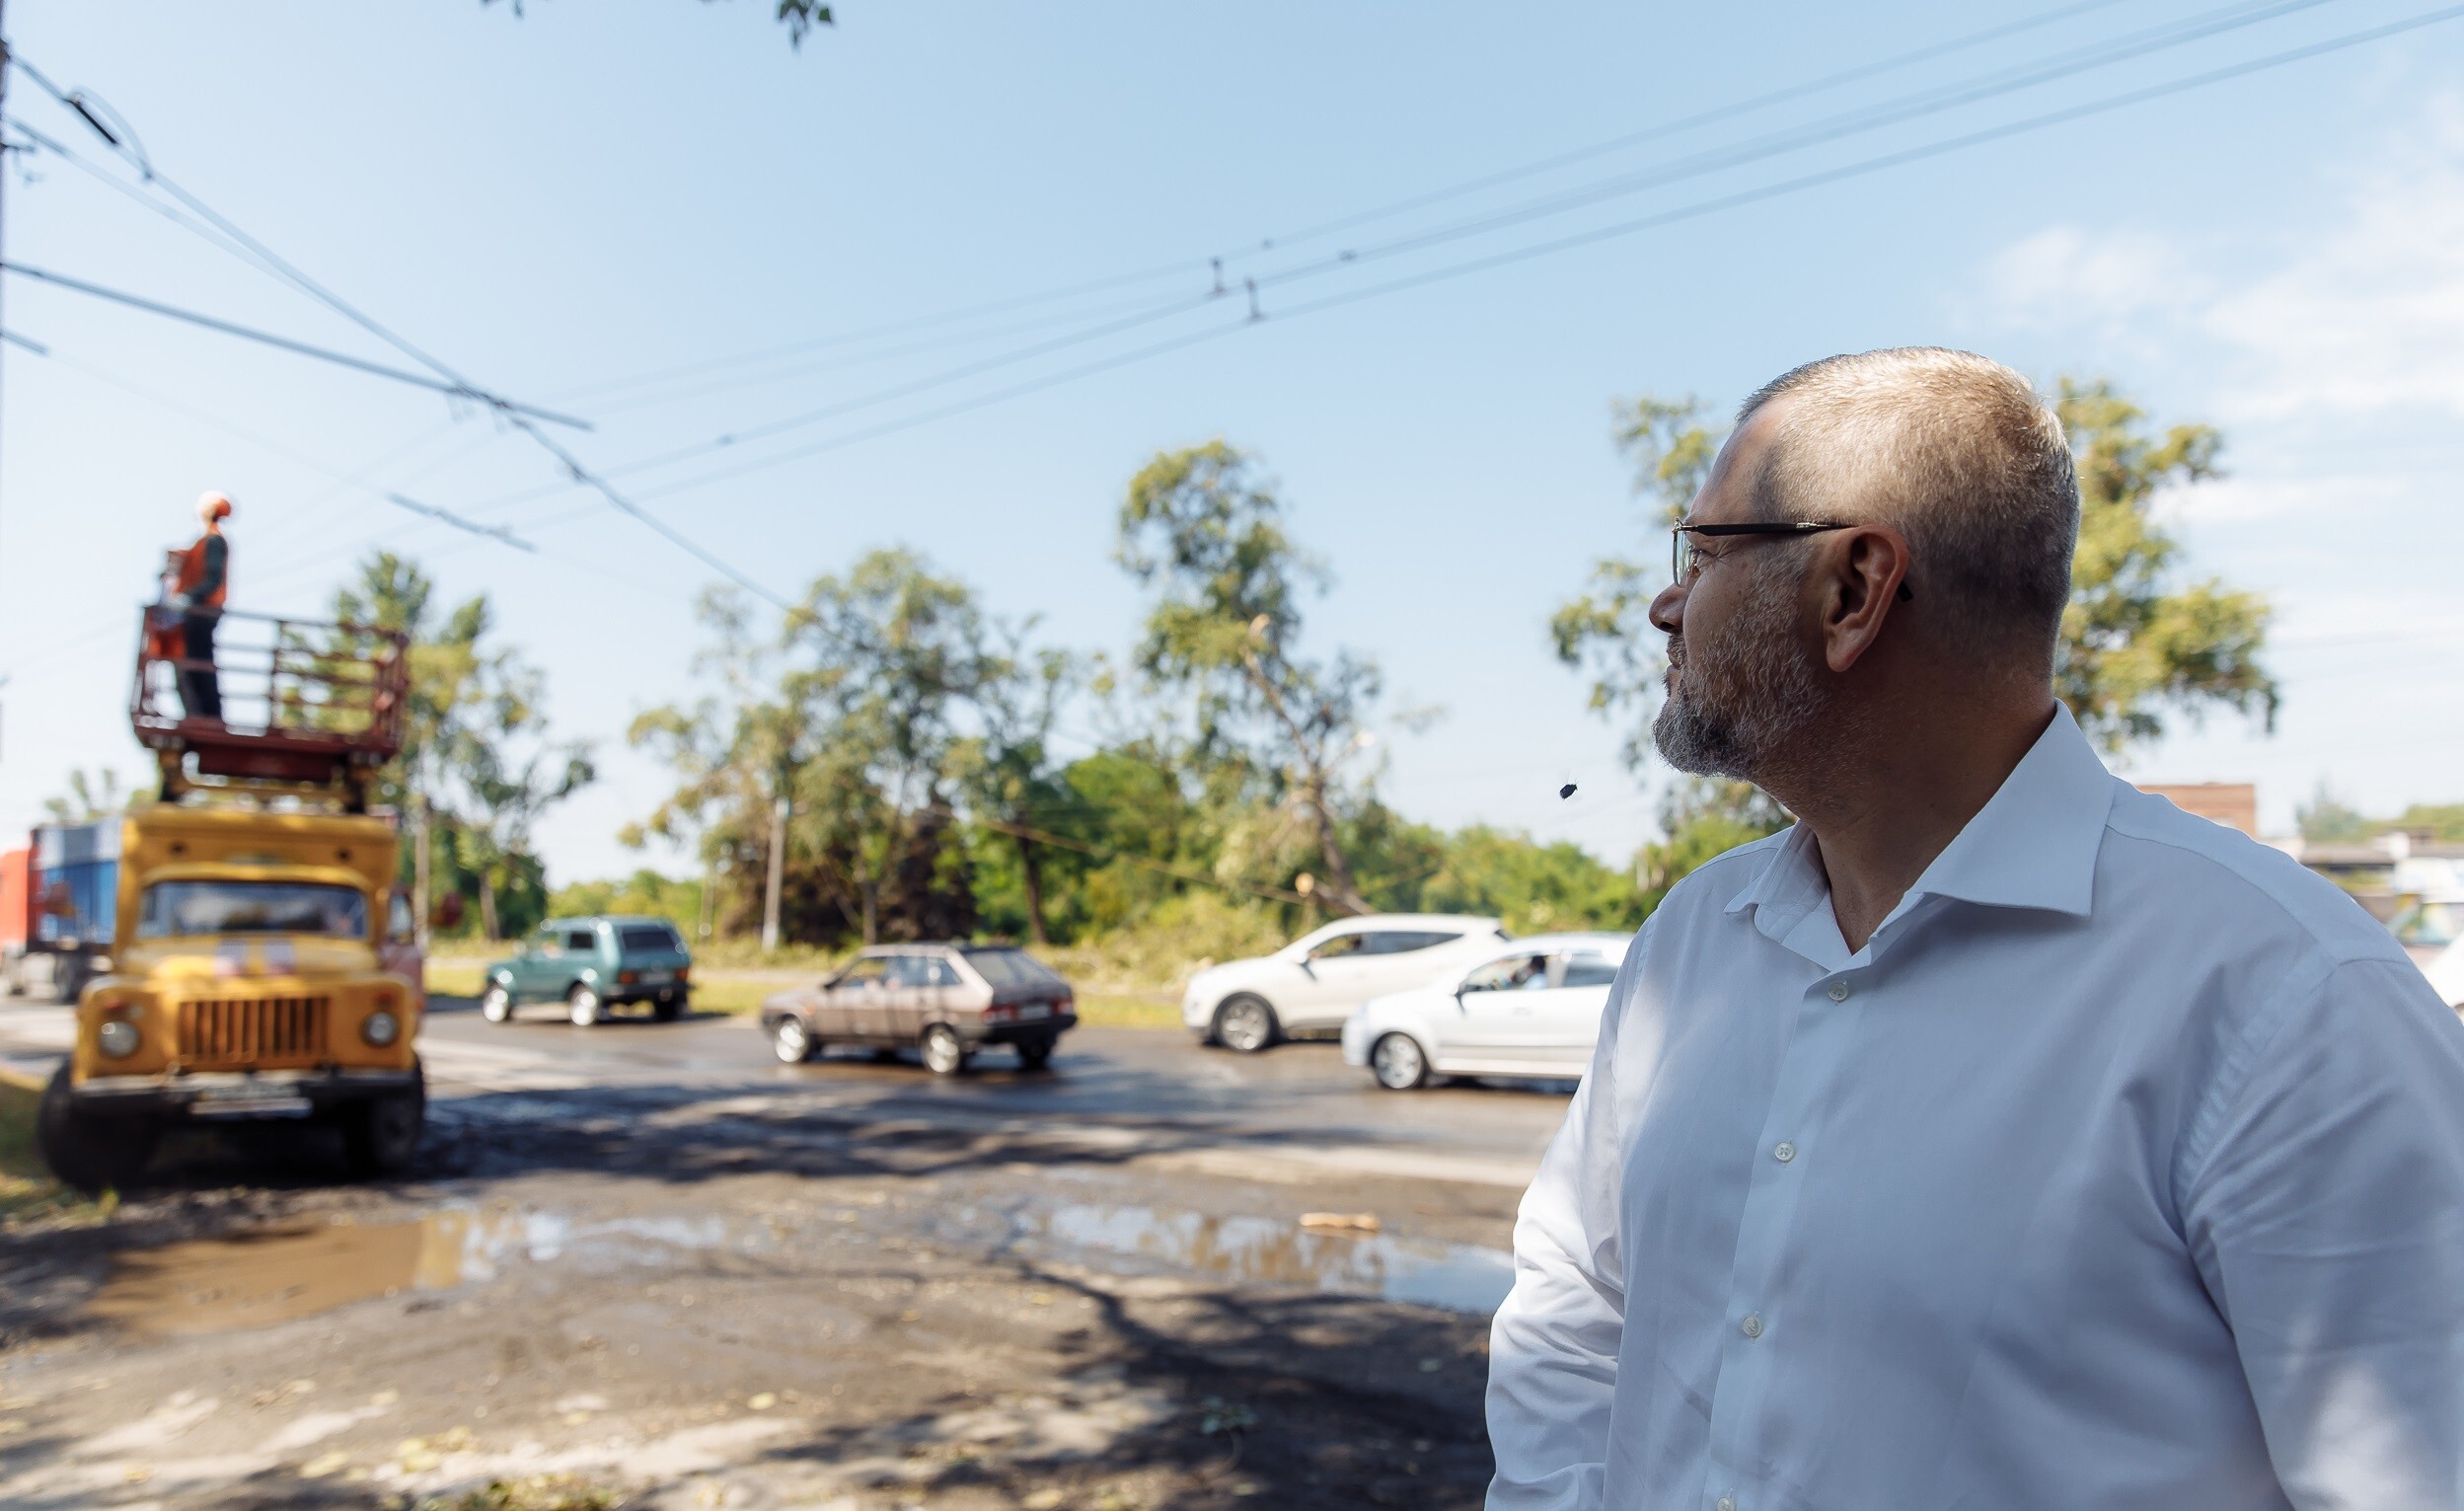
point(510, 773)
point(447, 668)
point(1606, 630)
point(1006, 770)
point(2135, 641)
point(2327, 819)
point(800, 17)
point(89, 799)
point(2442, 822)
point(1206, 531)
point(1700, 819)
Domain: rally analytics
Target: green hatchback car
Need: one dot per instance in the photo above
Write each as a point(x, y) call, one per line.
point(587, 965)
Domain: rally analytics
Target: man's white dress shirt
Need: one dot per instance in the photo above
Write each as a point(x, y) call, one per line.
point(2123, 1168)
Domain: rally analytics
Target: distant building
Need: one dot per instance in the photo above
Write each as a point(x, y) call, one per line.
point(2234, 804)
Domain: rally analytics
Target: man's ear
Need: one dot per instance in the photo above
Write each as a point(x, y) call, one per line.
point(1863, 576)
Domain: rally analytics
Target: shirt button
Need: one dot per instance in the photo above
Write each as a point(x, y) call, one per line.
point(1839, 991)
point(1725, 1503)
point(1783, 1151)
point(1751, 1326)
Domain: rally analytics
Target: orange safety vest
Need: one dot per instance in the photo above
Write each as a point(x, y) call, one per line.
point(193, 572)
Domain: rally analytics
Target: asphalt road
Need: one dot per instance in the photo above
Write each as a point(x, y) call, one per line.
point(1295, 1108)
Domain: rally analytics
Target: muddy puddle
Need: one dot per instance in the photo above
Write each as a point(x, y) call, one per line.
point(275, 1274)
point(1459, 1277)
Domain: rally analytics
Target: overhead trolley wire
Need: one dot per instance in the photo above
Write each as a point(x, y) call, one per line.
point(1931, 100)
point(514, 414)
point(283, 342)
point(1594, 235)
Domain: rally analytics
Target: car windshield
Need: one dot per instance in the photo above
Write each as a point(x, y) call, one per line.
point(648, 937)
point(1010, 967)
point(172, 909)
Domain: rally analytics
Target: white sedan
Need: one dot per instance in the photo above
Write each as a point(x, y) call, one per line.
point(1532, 1007)
point(1313, 984)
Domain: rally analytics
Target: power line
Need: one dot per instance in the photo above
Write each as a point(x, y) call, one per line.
point(1783, 95)
point(448, 516)
point(285, 344)
point(514, 414)
point(1914, 106)
point(1692, 211)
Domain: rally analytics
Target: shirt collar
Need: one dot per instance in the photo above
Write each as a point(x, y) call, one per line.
point(2033, 844)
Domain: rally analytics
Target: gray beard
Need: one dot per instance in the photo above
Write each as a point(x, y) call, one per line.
point(1736, 709)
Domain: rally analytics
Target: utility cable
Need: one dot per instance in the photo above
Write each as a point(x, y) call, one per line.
point(516, 415)
point(1928, 102)
point(1692, 211)
point(285, 344)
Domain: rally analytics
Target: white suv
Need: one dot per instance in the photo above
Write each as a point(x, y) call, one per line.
point(1310, 986)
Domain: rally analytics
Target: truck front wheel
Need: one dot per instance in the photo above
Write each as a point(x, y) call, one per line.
point(381, 1136)
point(90, 1153)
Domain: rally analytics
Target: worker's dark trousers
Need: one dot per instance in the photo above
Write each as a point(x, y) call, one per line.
point(200, 690)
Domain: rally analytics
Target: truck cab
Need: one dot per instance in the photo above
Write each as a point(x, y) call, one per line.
point(248, 980)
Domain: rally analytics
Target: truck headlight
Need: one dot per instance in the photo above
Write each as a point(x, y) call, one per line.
point(379, 1028)
point(117, 1037)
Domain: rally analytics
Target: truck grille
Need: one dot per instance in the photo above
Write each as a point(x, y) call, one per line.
point(265, 1033)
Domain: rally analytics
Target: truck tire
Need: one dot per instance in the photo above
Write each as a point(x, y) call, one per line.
point(381, 1136)
point(92, 1154)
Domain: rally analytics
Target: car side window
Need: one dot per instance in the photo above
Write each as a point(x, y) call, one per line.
point(545, 941)
point(1401, 942)
point(1515, 973)
point(584, 941)
point(1588, 970)
point(1340, 946)
point(911, 970)
point(944, 974)
point(401, 927)
point(870, 971)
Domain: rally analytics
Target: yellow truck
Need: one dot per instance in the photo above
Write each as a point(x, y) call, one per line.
point(246, 980)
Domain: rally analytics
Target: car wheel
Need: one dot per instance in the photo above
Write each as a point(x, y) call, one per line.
point(497, 1003)
point(1246, 1024)
point(1398, 1063)
point(91, 1154)
point(792, 1041)
point(583, 1006)
point(944, 1052)
point(1034, 1054)
point(669, 1008)
point(381, 1137)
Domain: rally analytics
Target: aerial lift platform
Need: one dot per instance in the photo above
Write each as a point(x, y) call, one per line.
point(310, 709)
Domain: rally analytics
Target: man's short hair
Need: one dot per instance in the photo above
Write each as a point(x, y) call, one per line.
point(1959, 454)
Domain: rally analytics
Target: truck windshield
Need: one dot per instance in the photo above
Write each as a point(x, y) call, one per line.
point(174, 909)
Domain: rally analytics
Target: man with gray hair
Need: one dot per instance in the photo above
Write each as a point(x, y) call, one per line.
point(1999, 1136)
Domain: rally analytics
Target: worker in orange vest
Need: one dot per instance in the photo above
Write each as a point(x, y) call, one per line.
point(202, 577)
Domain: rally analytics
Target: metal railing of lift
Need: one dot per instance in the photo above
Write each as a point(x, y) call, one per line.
point(299, 679)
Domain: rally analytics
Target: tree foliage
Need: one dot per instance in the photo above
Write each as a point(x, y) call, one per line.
point(2136, 641)
point(89, 798)
point(1204, 529)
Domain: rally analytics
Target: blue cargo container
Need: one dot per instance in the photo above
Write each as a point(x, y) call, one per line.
point(76, 884)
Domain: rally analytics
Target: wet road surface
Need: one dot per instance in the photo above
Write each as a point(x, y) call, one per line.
point(649, 1258)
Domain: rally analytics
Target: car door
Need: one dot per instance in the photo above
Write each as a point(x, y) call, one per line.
point(860, 999)
point(536, 962)
point(1497, 1021)
point(912, 995)
point(1337, 975)
point(581, 952)
point(1565, 1019)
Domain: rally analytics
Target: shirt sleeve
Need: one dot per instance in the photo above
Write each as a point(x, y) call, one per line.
point(1554, 1348)
point(2327, 1218)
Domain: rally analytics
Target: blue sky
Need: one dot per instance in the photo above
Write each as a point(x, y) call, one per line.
point(595, 192)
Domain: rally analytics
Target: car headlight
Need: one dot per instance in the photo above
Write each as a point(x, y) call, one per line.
point(117, 1037)
point(379, 1028)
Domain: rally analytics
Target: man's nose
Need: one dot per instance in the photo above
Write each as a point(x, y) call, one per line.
point(1668, 610)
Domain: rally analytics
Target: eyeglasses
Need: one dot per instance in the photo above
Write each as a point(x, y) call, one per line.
point(1686, 557)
